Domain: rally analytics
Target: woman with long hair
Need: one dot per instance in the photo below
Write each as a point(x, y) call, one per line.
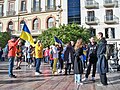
point(78, 68)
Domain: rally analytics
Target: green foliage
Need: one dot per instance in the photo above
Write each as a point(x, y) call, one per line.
point(64, 33)
point(4, 37)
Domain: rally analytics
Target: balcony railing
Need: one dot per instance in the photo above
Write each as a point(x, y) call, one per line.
point(111, 19)
point(91, 4)
point(91, 20)
point(110, 3)
point(50, 8)
point(10, 13)
point(37, 9)
point(1, 14)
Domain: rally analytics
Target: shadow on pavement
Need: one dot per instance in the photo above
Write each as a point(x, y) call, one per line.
point(18, 81)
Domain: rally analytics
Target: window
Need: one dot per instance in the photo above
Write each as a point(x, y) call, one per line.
point(109, 14)
point(1, 9)
point(23, 5)
point(0, 27)
point(50, 22)
point(74, 12)
point(21, 25)
point(92, 31)
point(36, 5)
point(35, 24)
point(11, 6)
point(90, 2)
point(110, 32)
point(10, 26)
point(50, 4)
point(91, 15)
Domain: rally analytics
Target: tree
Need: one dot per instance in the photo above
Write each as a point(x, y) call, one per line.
point(65, 33)
point(4, 37)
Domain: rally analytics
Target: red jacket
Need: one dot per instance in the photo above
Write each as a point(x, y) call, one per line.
point(12, 48)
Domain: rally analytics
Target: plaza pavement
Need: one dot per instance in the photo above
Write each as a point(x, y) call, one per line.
point(26, 80)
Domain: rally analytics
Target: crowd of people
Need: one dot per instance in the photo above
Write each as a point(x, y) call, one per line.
point(73, 56)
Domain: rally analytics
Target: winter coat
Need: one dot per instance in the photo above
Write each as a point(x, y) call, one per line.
point(78, 67)
point(69, 54)
point(102, 64)
point(12, 48)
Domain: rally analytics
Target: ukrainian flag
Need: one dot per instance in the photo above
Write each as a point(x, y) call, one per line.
point(26, 35)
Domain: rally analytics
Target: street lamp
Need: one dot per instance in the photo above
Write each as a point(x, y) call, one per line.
point(59, 15)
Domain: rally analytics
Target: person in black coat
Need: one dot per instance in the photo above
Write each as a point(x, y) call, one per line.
point(102, 64)
point(68, 57)
point(78, 68)
point(92, 58)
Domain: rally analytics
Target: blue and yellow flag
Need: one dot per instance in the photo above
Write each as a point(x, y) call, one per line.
point(26, 35)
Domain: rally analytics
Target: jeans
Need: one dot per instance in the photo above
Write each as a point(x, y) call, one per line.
point(89, 69)
point(46, 59)
point(11, 65)
point(78, 78)
point(38, 63)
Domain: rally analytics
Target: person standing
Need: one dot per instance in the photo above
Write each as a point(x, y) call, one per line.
point(11, 54)
point(78, 68)
point(38, 56)
point(55, 58)
point(92, 58)
point(102, 64)
point(68, 57)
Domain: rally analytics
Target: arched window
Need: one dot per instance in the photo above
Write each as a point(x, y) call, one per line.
point(21, 25)
point(35, 24)
point(10, 26)
point(50, 22)
point(0, 27)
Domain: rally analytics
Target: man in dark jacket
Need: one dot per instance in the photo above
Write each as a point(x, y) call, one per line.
point(102, 64)
point(92, 58)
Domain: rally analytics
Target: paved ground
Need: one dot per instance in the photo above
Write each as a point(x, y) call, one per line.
point(26, 80)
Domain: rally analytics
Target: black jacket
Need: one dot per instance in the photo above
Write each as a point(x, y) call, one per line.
point(92, 52)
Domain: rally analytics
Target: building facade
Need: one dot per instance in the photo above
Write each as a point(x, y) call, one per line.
point(102, 16)
point(37, 14)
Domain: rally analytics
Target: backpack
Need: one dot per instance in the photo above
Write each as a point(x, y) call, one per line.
point(6, 49)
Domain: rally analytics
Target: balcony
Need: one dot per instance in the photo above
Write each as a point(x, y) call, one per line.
point(111, 19)
point(50, 8)
point(1, 14)
point(110, 3)
point(91, 4)
point(36, 10)
point(91, 20)
point(10, 13)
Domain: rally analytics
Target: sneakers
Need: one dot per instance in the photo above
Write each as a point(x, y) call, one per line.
point(18, 68)
point(12, 76)
point(100, 84)
point(85, 79)
point(93, 79)
point(37, 73)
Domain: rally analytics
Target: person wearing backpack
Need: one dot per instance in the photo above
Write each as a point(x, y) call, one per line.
point(92, 58)
point(12, 43)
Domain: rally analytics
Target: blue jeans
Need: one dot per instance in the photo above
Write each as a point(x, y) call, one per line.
point(38, 63)
point(78, 78)
point(46, 59)
point(11, 65)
